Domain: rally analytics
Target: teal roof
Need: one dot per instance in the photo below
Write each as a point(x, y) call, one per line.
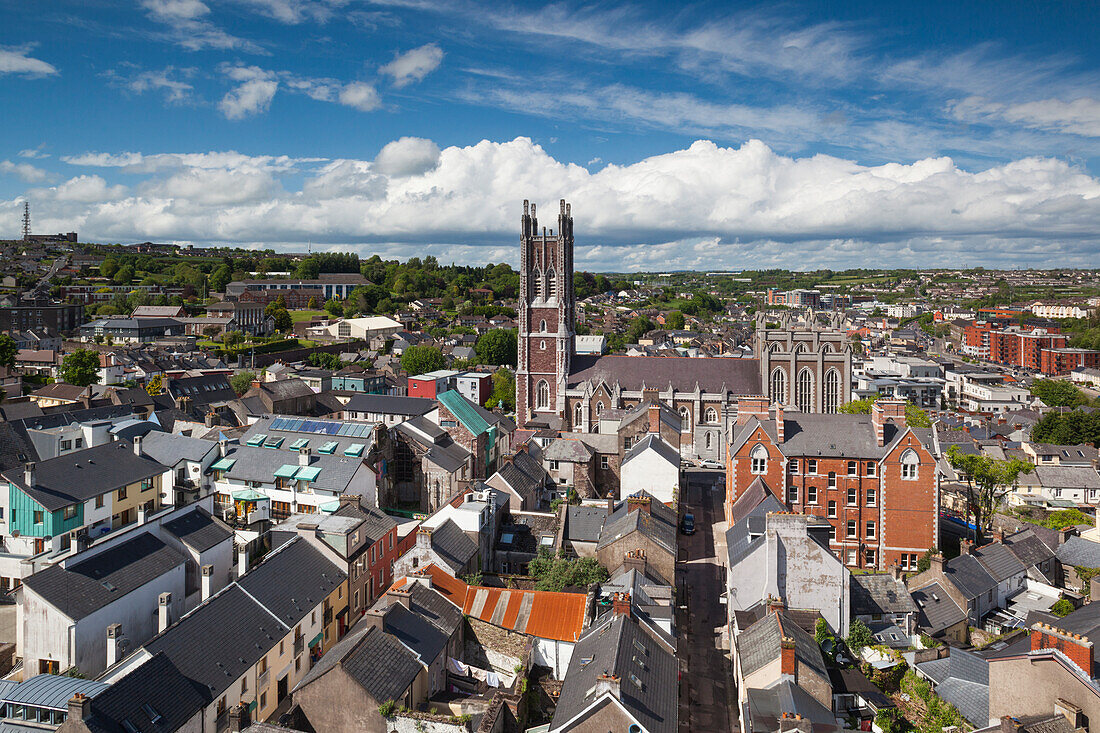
point(309, 473)
point(329, 508)
point(248, 495)
point(299, 443)
point(464, 411)
point(223, 464)
point(287, 470)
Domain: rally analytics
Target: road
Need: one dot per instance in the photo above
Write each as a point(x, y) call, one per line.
point(706, 690)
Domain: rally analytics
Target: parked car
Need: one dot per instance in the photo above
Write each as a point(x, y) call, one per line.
point(687, 524)
point(711, 463)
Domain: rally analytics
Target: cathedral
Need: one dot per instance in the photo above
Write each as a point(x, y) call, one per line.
point(807, 369)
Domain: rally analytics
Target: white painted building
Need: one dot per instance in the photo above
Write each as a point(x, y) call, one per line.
point(653, 466)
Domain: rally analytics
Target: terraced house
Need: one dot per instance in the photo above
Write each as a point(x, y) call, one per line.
point(56, 504)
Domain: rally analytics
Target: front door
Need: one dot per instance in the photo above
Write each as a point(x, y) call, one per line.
point(281, 691)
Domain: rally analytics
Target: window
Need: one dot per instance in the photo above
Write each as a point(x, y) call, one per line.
point(832, 533)
point(603, 462)
point(778, 387)
point(599, 409)
point(626, 443)
point(759, 458)
point(792, 494)
point(832, 479)
point(870, 533)
point(811, 465)
point(871, 468)
point(66, 445)
point(685, 420)
point(851, 529)
point(244, 686)
point(910, 463)
point(804, 399)
point(832, 509)
point(542, 395)
point(853, 468)
point(811, 494)
point(708, 441)
point(551, 283)
point(38, 517)
point(69, 512)
point(263, 700)
point(542, 326)
point(78, 443)
point(853, 496)
point(712, 416)
point(830, 395)
point(871, 498)
point(578, 415)
point(553, 465)
point(122, 493)
point(792, 465)
point(869, 556)
point(851, 555)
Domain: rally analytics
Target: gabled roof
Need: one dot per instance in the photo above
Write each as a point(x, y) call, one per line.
point(569, 451)
point(375, 660)
point(156, 687)
point(584, 523)
point(969, 576)
point(874, 594)
point(84, 587)
point(761, 643)
point(1029, 547)
point(936, 610)
point(737, 376)
point(655, 444)
point(1079, 552)
point(646, 669)
point(474, 418)
point(390, 404)
point(415, 632)
point(659, 523)
point(198, 530)
point(767, 708)
point(292, 580)
point(452, 545)
point(999, 561)
point(82, 475)
point(376, 524)
point(170, 448)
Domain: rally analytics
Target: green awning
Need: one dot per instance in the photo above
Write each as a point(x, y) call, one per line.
point(317, 639)
point(223, 464)
point(248, 495)
point(308, 473)
point(287, 470)
point(355, 449)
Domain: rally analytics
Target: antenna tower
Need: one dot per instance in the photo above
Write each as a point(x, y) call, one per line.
point(26, 220)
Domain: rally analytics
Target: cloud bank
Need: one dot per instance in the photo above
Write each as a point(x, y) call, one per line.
point(704, 207)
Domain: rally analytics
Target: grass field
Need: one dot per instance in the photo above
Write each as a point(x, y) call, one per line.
point(305, 315)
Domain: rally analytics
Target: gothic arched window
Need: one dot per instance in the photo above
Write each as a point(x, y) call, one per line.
point(759, 459)
point(542, 395)
point(542, 326)
point(804, 398)
point(599, 409)
point(830, 392)
point(709, 440)
point(551, 284)
point(578, 415)
point(712, 416)
point(685, 420)
point(538, 283)
point(778, 391)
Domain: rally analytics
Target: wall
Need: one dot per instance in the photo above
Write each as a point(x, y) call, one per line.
point(651, 472)
point(1022, 685)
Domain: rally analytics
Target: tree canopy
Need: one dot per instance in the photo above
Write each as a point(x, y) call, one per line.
point(504, 390)
point(497, 347)
point(915, 417)
point(1058, 393)
point(1068, 428)
point(422, 359)
point(241, 381)
point(8, 350)
point(558, 572)
point(988, 480)
point(81, 367)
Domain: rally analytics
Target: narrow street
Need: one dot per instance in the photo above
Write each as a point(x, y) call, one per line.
point(707, 700)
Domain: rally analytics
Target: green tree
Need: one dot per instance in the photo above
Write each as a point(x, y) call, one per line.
point(155, 385)
point(821, 631)
point(497, 347)
point(1068, 428)
point(1062, 608)
point(504, 390)
point(283, 320)
point(915, 417)
point(859, 636)
point(639, 327)
point(312, 304)
point(233, 338)
point(241, 382)
point(925, 560)
point(323, 360)
point(211, 332)
point(80, 367)
point(123, 276)
point(674, 320)
point(558, 572)
point(220, 278)
point(334, 307)
point(1058, 393)
point(422, 359)
point(8, 350)
point(988, 480)
point(108, 267)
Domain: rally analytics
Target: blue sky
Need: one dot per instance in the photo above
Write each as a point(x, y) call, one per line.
point(686, 136)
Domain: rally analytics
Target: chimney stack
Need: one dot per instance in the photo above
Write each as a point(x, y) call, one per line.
point(1072, 713)
point(966, 547)
point(207, 581)
point(375, 618)
point(29, 474)
point(788, 663)
point(634, 560)
point(239, 718)
point(896, 572)
point(210, 419)
point(304, 456)
point(638, 503)
point(1010, 724)
point(349, 498)
point(620, 604)
point(780, 425)
point(751, 407)
point(242, 560)
point(424, 537)
point(137, 446)
point(883, 410)
point(775, 605)
point(80, 707)
point(655, 419)
point(164, 611)
point(401, 595)
point(114, 644)
point(607, 683)
point(937, 562)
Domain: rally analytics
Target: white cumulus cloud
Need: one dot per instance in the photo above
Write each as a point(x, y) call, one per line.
point(361, 96)
point(414, 65)
point(24, 171)
point(15, 60)
point(253, 95)
point(409, 156)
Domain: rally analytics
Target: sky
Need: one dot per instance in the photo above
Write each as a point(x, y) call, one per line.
point(798, 135)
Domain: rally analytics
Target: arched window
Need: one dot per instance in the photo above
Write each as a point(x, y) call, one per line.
point(799, 348)
point(910, 465)
point(709, 441)
point(775, 347)
point(542, 326)
point(759, 457)
point(537, 276)
point(712, 416)
point(830, 396)
point(778, 391)
point(551, 284)
point(542, 395)
point(685, 420)
point(599, 409)
point(578, 415)
point(804, 398)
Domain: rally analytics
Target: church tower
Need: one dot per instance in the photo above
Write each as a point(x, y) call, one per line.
point(545, 306)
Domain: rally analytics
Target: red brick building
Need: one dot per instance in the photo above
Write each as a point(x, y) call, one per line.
point(1065, 360)
point(1022, 348)
point(871, 476)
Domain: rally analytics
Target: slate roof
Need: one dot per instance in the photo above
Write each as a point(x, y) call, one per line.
point(1029, 547)
point(84, 587)
point(936, 610)
point(15, 449)
point(156, 686)
point(767, 707)
point(1079, 552)
point(390, 404)
point(659, 524)
point(969, 576)
point(375, 523)
point(169, 448)
point(452, 545)
point(999, 561)
point(610, 647)
point(721, 374)
point(377, 661)
point(570, 451)
point(879, 594)
point(292, 581)
point(198, 530)
point(668, 416)
point(653, 443)
point(584, 523)
point(260, 464)
point(1067, 477)
point(525, 476)
point(760, 644)
point(833, 436)
point(966, 685)
point(83, 475)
